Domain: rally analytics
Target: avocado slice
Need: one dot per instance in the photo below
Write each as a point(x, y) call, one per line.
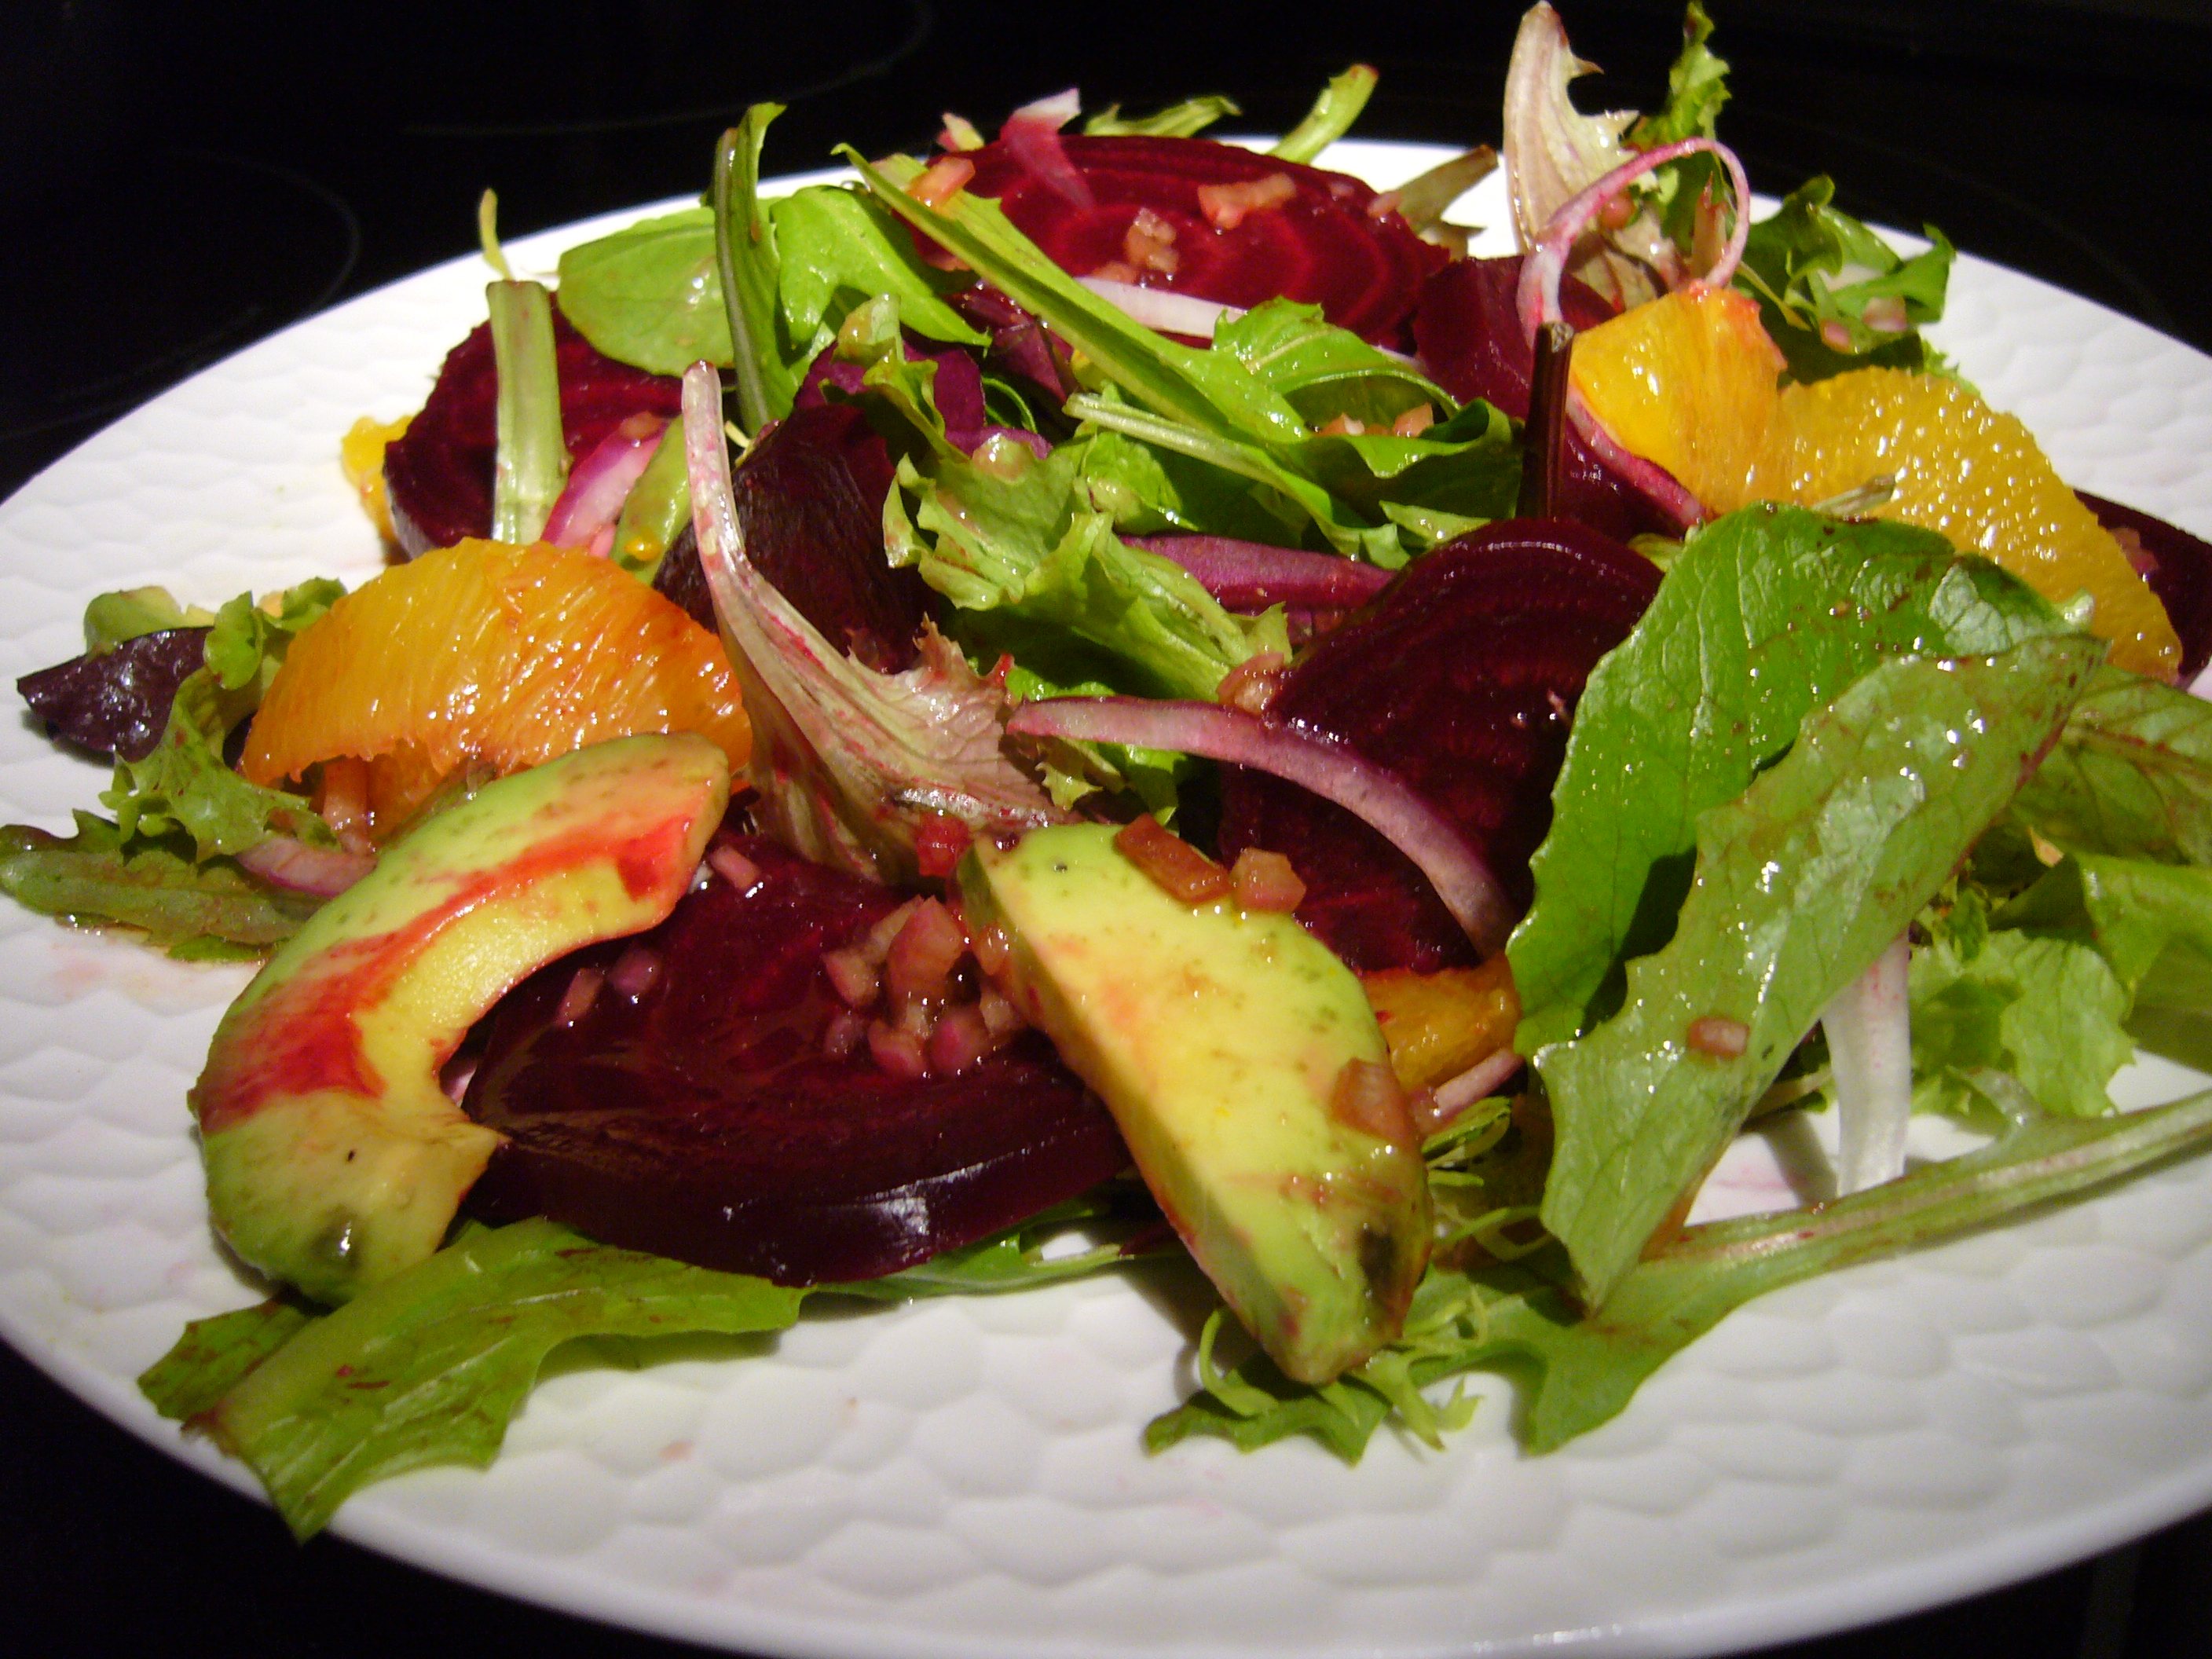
point(1218, 1036)
point(334, 1156)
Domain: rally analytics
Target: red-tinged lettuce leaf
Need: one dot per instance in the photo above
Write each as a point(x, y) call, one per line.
point(116, 702)
point(2130, 775)
point(438, 472)
point(1578, 1372)
point(1767, 614)
point(1800, 884)
point(1462, 679)
point(1331, 244)
point(700, 1116)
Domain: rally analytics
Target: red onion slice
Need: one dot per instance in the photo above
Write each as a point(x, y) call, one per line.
point(602, 481)
point(1032, 135)
point(1331, 770)
point(323, 872)
point(1250, 576)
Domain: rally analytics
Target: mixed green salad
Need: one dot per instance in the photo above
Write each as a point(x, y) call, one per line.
point(1848, 820)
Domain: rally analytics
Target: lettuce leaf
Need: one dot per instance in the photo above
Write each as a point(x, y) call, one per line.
point(430, 1366)
point(1578, 1372)
point(1800, 884)
point(1766, 615)
point(2130, 775)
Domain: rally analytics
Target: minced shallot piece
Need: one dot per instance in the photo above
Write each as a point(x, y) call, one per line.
point(1265, 881)
point(1227, 206)
point(1149, 243)
point(1718, 1036)
point(918, 967)
point(941, 180)
point(1369, 1098)
point(1174, 866)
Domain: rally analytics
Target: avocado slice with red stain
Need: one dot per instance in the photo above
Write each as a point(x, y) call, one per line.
point(334, 1156)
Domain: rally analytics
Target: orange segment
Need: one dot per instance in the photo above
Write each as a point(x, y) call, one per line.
point(1688, 381)
point(1976, 475)
point(360, 458)
point(491, 658)
point(1439, 1025)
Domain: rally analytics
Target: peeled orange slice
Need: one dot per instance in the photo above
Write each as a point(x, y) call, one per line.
point(1688, 381)
point(488, 658)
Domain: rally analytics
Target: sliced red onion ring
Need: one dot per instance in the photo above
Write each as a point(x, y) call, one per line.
point(1540, 272)
point(1331, 770)
point(322, 872)
point(1251, 575)
point(602, 481)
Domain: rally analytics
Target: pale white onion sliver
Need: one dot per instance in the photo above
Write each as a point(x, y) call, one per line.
point(1869, 1030)
point(1161, 309)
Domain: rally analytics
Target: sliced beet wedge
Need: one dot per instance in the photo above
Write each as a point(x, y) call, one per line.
point(1462, 679)
point(1468, 338)
point(687, 1105)
point(438, 472)
point(1320, 238)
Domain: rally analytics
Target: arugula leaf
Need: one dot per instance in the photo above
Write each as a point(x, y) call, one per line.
point(1697, 87)
point(2131, 774)
point(1579, 1372)
point(1331, 117)
point(1030, 569)
point(1766, 614)
point(1834, 295)
point(1184, 120)
point(1800, 885)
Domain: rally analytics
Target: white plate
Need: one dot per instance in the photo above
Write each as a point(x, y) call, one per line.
point(966, 1476)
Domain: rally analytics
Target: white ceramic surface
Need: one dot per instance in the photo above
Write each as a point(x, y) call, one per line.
point(966, 1476)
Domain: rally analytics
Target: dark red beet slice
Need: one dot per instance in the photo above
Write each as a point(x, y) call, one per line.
point(810, 497)
point(1468, 335)
point(116, 703)
point(2178, 568)
point(1462, 678)
point(438, 472)
point(699, 1118)
point(1331, 244)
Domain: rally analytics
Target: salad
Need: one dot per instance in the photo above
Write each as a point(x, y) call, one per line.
point(1634, 818)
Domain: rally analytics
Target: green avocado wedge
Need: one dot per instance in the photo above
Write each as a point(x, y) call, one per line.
point(334, 1157)
point(1218, 1037)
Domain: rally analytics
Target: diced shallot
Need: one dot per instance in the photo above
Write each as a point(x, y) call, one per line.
point(919, 966)
point(1369, 1098)
point(1265, 881)
point(1227, 206)
point(1174, 865)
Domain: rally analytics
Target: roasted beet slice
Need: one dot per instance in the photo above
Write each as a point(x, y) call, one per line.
point(810, 497)
point(1329, 241)
point(2178, 568)
point(117, 702)
point(695, 1113)
point(1462, 678)
point(1468, 335)
point(438, 472)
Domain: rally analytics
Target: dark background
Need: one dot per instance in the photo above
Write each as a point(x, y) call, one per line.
point(174, 186)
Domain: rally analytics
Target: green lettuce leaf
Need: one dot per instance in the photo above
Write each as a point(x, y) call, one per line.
point(1766, 615)
point(2046, 1011)
point(1800, 884)
point(1035, 574)
point(1184, 120)
point(184, 785)
point(189, 907)
point(1578, 1372)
